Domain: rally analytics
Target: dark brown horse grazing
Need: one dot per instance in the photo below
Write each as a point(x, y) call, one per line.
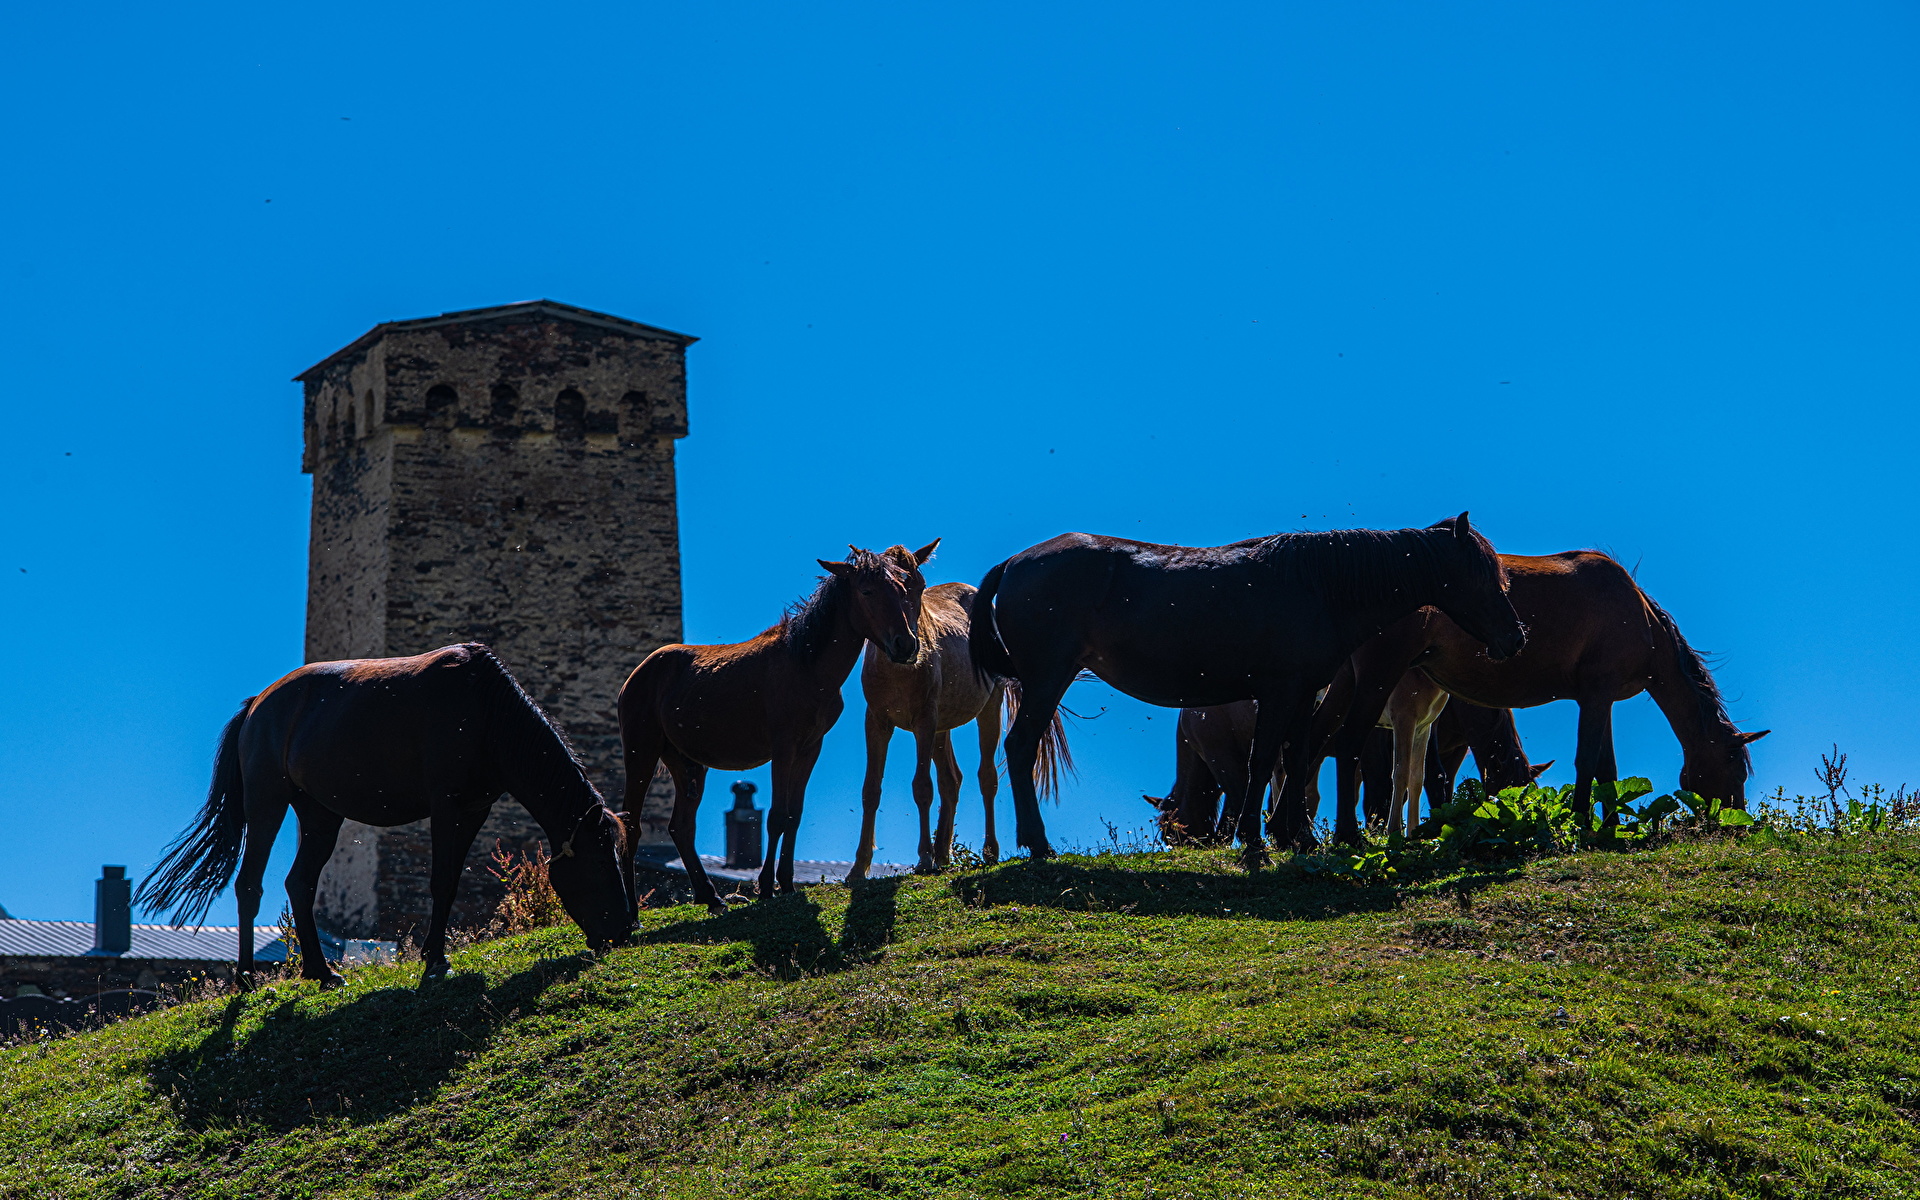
point(734, 707)
point(1212, 744)
point(387, 741)
point(1270, 619)
point(1593, 637)
point(1490, 735)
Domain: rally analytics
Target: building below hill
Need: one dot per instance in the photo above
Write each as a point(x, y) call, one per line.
point(110, 953)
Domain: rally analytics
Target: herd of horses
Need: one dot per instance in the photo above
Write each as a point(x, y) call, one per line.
point(1278, 650)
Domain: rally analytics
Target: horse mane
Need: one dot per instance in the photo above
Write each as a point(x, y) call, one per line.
point(807, 626)
point(1708, 702)
point(522, 704)
point(1363, 565)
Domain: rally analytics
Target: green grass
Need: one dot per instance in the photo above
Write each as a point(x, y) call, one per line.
point(1705, 1019)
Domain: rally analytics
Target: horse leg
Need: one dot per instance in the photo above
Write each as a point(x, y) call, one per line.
point(1349, 748)
point(454, 821)
point(266, 806)
point(947, 774)
point(1281, 734)
point(1039, 699)
point(1593, 758)
point(879, 735)
point(642, 742)
point(319, 830)
point(689, 781)
point(790, 773)
point(1443, 766)
point(923, 795)
point(988, 725)
point(1416, 766)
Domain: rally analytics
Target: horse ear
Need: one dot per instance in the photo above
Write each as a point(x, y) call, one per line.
point(1747, 738)
point(1539, 769)
point(836, 568)
point(1461, 529)
point(925, 552)
point(1162, 803)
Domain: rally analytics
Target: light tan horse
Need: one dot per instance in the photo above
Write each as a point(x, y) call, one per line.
point(930, 697)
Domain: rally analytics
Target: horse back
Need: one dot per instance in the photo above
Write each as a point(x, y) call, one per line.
point(1589, 633)
point(709, 701)
point(372, 738)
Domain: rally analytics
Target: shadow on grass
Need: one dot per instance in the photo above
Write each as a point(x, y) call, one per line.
point(788, 938)
point(363, 1061)
point(1285, 893)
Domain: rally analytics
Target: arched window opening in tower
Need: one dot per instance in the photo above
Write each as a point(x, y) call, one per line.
point(442, 403)
point(505, 410)
point(569, 415)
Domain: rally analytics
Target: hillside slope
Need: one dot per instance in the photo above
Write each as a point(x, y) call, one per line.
point(1706, 1019)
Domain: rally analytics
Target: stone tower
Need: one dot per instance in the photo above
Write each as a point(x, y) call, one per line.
point(501, 475)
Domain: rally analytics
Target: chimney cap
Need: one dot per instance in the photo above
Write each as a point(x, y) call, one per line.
point(107, 872)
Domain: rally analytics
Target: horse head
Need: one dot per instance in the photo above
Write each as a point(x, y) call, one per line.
point(587, 873)
point(1474, 591)
point(884, 591)
point(1719, 768)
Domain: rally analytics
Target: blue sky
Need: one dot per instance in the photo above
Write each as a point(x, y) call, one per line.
point(1629, 276)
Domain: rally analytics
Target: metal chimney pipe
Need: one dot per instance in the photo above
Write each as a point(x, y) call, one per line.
point(112, 911)
point(744, 834)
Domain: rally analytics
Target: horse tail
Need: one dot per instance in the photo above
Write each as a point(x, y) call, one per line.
point(989, 653)
point(1053, 758)
point(200, 862)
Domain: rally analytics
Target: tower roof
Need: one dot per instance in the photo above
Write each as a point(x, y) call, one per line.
point(524, 310)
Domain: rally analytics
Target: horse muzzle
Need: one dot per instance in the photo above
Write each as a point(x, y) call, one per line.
point(1503, 648)
point(903, 650)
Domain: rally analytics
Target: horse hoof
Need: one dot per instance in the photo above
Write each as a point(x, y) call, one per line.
point(435, 973)
point(990, 854)
point(717, 908)
point(332, 983)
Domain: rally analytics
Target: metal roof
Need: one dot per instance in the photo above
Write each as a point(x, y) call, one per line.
point(525, 308)
point(74, 939)
point(665, 858)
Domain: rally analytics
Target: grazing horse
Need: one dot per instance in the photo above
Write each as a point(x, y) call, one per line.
point(387, 741)
point(1212, 745)
point(772, 698)
point(1594, 638)
point(929, 698)
point(1270, 619)
point(1497, 753)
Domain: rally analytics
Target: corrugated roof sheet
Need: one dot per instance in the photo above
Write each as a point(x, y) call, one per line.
point(74, 939)
point(804, 870)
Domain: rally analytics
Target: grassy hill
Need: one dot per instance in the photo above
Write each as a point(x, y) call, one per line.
point(1704, 1019)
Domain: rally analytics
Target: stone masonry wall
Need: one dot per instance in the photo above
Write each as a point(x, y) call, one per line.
point(511, 482)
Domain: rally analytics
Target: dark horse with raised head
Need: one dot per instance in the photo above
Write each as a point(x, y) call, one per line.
point(1270, 619)
point(1594, 637)
point(772, 698)
point(388, 741)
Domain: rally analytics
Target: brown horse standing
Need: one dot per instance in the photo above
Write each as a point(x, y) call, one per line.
point(1592, 637)
point(929, 698)
point(387, 741)
point(773, 698)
